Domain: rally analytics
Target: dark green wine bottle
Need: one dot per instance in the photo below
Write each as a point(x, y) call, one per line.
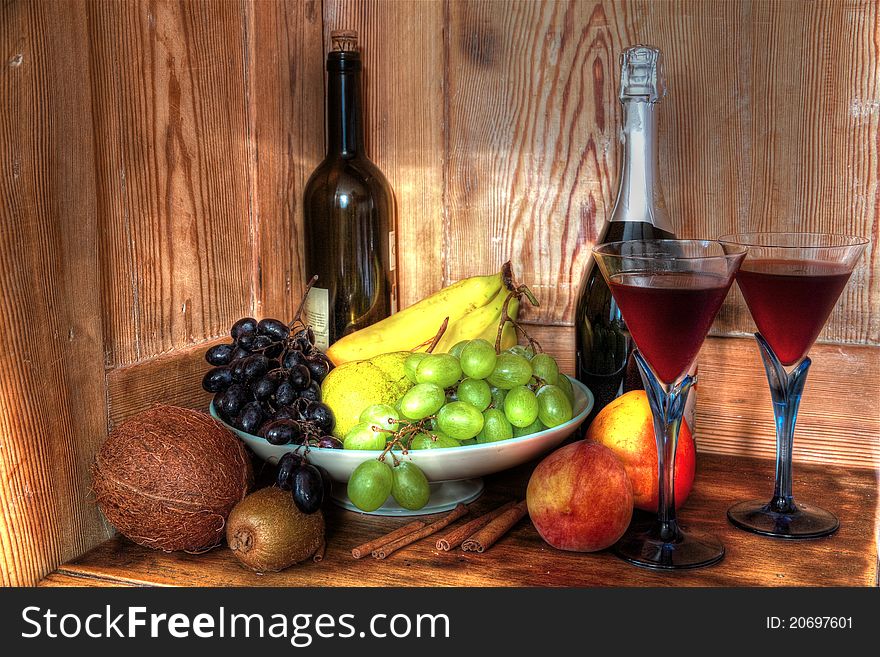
point(349, 214)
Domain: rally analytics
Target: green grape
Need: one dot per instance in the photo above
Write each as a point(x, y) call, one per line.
point(534, 427)
point(520, 350)
point(458, 347)
point(498, 395)
point(411, 364)
point(495, 427)
point(370, 485)
point(460, 420)
point(478, 359)
point(475, 392)
point(362, 436)
point(511, 370)
point(544, 367)
point(441, 369)
point(381, 415)
point(433, 440)
point(521, 406)
point(553, 406)
point(422, 400)
point(469, 441)
point(410, 487)
point(565, 383)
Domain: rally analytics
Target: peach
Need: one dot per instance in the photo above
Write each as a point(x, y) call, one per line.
point(580, 498)
point(625, 426)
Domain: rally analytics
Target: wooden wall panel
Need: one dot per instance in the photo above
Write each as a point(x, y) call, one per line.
point(51, 373)
point(168, 83)
point(285, 87)
point(402, 45)
point(771, 123)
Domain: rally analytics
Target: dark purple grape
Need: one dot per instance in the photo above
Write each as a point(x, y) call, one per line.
point(282, 432)
point(244, 326)
point(286, 394)
point(287, 464)
point(255, 366)
point(329, 442)
point(264, 387)
point(308, 488)
point(286, 413)
point(318, 368)
point(322, 417)
point(247, 342)
point(238, 368)
point(251, 417)
point(274, 350)
point(293, 358)
point(274, 328)
point(230, 401)
point(220, 354)
point(217, 379)
point(299, 377)
point(312, 393)
point(239, 354)
point(304, 339)
point(262, 342)
point(301, 408)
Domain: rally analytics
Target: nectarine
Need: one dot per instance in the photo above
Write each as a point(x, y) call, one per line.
point(580, 498)
point(626, 427)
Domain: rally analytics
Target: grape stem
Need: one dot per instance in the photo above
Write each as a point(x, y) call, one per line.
point(433, 342)
point(302, 302)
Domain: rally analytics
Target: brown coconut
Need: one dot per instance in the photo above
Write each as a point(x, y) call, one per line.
point(168, 477)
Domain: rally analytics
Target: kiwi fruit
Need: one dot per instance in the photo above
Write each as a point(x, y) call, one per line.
point(267, 533)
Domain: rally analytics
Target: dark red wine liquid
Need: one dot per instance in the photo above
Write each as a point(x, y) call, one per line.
point(790, 301)
point(669, 315)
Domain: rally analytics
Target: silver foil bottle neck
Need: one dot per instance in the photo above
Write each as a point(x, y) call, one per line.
point(641, 74)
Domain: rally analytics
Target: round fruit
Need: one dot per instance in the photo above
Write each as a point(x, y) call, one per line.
point(362, 436)
point(478, 359)
point(370, 485)
point(475, 392)
point(433, 440)
point(553, 406)
point(495, 427)
point(422, 400)
point(217, 379)
point(381, 415)
point(534, 427)
point(411, 364)
point(626, 426)
point(410, 487)
point(521, 350)
point(460, 420)
point(521, 406)
point(544, 367)
point(565, 384)
point(220, 354)
point(440, 369)
point(282, 432)
point(511, 370)
point(308, 488)
point(458, 347)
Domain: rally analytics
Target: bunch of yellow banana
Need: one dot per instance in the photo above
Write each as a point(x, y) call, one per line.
point(473, 306)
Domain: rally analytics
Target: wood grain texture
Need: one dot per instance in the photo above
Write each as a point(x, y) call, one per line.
point(521, 558)
point(770, 124)
point(170, 120)
point(403, 78)
point(285, 91)
point(51, 375)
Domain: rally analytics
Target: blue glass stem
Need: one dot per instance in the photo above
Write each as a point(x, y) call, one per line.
point(667, 403)
point(785, 390)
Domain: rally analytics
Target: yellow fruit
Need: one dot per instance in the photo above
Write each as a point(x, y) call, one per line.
point(418, 323)
point(351, 387)
point(481, 323)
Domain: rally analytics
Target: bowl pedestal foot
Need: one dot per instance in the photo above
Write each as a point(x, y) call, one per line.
point(445, 495)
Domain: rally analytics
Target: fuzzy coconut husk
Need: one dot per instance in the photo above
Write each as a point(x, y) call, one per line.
point(168, 477)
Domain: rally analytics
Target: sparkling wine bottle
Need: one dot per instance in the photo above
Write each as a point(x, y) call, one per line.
point(603, 344)
point(349, 213)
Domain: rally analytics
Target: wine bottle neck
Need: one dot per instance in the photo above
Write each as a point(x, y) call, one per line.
point(345, 133)
point(639, 197)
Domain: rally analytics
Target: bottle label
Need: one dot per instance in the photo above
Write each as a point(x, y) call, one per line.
point(317, 315)
point(392, 251)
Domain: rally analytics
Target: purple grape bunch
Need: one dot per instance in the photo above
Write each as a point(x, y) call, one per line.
point(267, 382)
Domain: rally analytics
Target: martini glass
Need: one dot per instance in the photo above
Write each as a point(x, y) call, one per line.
point(791, 282)
point(669, 292)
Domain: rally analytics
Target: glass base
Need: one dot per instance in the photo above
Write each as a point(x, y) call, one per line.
point(644, 547)
point(806, 521)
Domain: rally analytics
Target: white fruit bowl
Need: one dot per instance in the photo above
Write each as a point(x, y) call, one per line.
point(454, 472)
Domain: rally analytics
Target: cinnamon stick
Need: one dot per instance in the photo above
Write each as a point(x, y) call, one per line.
point(486, 537)
point(389, 548)
point(367, 548)
point(455, 537)
point(318, 556)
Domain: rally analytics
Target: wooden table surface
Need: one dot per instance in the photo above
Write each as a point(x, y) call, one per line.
point(521, 558)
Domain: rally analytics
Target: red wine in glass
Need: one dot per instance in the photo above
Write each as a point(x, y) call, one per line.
point(669, 314)
point(790, 300)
